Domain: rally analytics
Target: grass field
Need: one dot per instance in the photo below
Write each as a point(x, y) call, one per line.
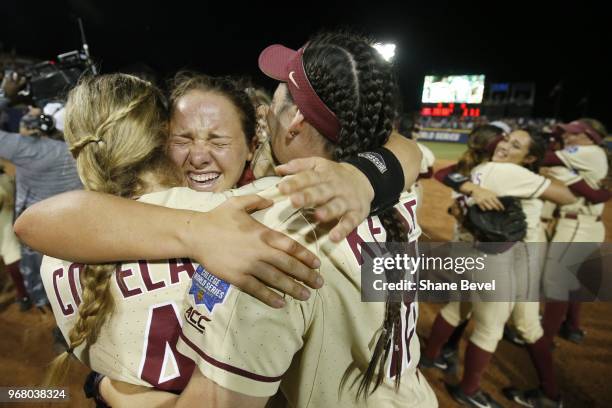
point(446, 151)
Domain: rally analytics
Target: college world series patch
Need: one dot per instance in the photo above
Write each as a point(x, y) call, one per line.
point(207, 289)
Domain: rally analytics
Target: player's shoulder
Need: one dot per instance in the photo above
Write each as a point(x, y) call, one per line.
point(584, 151)
point(257, 186)
point(184, 198)
point(218, 302)
point(506, 168)
point(50, 266)
point(49, 262)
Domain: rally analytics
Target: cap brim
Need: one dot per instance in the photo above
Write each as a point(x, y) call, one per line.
point(273, 61)
point(571, 127)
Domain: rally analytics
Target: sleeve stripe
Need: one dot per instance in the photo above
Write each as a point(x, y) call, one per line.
point(537, 190)
point(227, 367)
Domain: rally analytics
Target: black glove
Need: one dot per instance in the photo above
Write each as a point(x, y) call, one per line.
point(498, 226)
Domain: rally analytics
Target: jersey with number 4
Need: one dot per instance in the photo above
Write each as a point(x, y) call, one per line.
point(137, 344)
point(314, 350)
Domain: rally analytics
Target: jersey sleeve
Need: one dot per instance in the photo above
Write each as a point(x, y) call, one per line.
point(580, 157)
point(428, 158)
point(565, 175)
point(242, 345)
point(237, 341)
point(517, 181)
point(183, 198)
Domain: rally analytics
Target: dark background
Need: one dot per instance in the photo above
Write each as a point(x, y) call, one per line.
point(507, 41)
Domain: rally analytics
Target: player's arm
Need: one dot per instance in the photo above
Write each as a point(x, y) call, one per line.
point(200, 392)
point(89, 227)
point(558, 193)
point(340, 190)
point(485, 199)
point(203, 392)
point(441, 174)
point(118, 394)
point(582, 189)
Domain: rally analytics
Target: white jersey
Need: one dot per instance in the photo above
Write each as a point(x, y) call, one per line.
point(307, 348)
point(428, 159)
point(508, 179)
point(137, 344)
point(588, 163)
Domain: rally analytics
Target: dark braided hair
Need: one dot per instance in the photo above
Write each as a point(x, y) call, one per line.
point(355, 82)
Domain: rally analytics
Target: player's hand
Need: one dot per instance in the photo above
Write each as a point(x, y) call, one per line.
point(337, 191)
point(486, 199)
point(251, 256)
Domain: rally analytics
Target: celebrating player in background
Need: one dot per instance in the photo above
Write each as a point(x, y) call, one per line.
point(582, 165)
point(509, 173)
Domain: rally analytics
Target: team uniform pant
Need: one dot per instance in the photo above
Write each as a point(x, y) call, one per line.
point(563, 260)
point(561, 266)
point(517, 276)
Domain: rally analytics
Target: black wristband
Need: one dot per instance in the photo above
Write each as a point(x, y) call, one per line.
point(455, 180)
point(386, 176)
point(92, 389)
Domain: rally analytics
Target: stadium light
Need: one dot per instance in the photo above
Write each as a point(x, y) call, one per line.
point(387, 50)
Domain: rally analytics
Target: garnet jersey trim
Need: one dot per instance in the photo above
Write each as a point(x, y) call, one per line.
point(227, 367)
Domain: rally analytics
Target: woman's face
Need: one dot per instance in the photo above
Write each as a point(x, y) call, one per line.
point(207, 141)
point(514, 148)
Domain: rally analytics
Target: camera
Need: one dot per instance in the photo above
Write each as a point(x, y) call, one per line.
point(51, 80)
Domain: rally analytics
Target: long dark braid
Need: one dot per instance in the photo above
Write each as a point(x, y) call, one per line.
point(351, 78)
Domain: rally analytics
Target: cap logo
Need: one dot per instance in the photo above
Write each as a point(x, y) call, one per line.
point(293, 80)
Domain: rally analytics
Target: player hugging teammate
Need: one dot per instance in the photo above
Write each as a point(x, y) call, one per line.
point(335, 101)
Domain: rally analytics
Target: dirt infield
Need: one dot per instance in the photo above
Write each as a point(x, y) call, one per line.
point(26, 343)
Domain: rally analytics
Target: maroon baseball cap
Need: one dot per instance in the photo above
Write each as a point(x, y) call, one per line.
point(576, 127)
point(286, 65)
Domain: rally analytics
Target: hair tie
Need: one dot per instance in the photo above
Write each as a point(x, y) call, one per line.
point(70, 350)
point(78, 146)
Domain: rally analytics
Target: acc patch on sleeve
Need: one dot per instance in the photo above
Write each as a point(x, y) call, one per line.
point(207, 289)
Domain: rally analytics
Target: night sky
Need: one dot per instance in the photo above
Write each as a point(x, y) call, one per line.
point(507, 41)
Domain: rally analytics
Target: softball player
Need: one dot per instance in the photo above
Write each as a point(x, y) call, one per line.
point(507, 174)
point(581, 165)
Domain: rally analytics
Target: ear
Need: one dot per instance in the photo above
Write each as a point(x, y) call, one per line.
point(297, 124)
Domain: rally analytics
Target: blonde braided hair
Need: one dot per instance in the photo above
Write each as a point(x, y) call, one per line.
point(116, 128)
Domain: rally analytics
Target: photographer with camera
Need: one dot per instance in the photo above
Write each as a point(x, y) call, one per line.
point(43, 168)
